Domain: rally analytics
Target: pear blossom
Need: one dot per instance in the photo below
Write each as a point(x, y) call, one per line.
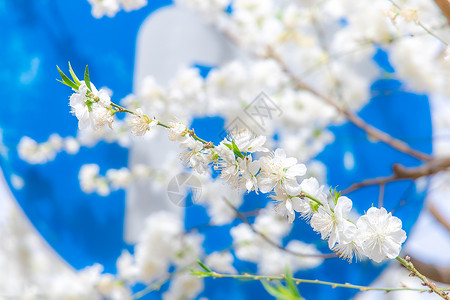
point(227, 164)
point(287, 205)
point(332, 224)
point(248, 170)
point(140, 123)
point(381, 234)
point(310, 186)
point(91, 107)
point(195, 155)
point(101, 115)
point(281, 172)
point(247, 142)
point(177, 132)
point(351, 246)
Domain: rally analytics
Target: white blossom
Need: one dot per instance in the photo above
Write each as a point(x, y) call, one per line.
point(332, 224)
point(140, 123)
point(381, 234)
point(92, 108)
point(280, 171)
point(178, 132)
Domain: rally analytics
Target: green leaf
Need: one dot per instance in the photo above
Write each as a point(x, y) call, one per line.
point(290, 283)
point(200, 274)
point(272, 290)
point(236, 150)
point(280, 292)
point(75, 78)
point(228, 146)
point(203, 266)
point(86, 78)
point(66, 80)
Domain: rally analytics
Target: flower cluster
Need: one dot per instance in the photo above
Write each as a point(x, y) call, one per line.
point(377, 234)
point(34, 272)
point(243, 161)
point(33, 153)
point(91, 107)
point(91, 181)
point(164, 244)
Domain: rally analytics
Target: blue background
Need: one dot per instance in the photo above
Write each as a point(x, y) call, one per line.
point(35, 36)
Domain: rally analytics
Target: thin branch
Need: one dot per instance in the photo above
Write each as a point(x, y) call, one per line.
point(355, 119)
point(310, 281)
point(270, 241)
point(438, 216)
point(425, 282)
point(381, 195)
point(403, 173)
point(444, 5)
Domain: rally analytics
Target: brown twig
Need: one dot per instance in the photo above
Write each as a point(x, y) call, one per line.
point(381, 195)
point(434, 272)
point(444, 5)
point(356, 120)
point(403, 173)
point(439, 217)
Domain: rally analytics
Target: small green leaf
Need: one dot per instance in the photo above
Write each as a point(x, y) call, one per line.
point(290, 283)
point(236, 150)
point(203, 266)
point(200, 274)
point(86, 78)
point(272, 290)
point(75, 78)
point(66, 80)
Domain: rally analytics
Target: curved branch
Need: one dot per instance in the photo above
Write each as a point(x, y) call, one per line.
point(355, 119)
point(440, 218)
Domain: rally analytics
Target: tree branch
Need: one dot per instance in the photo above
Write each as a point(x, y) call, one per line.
point(440, 218)
point(402, 173)
point(298, 281)
point(444, 5)
point(355, 119)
